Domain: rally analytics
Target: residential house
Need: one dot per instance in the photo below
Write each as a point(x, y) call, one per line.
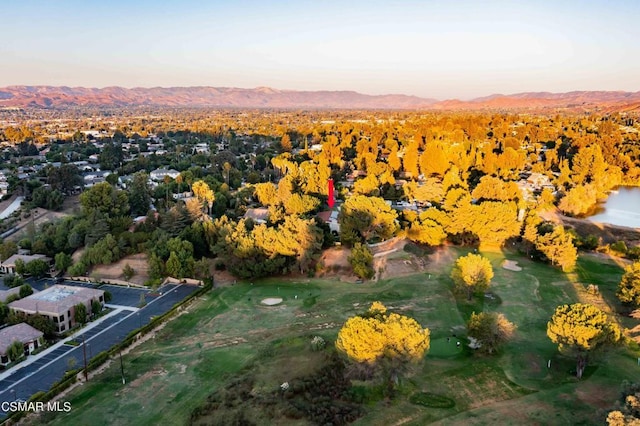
point(30, 338)
point(258, 215)
point(58, 303)
point(330, 217)
point(93, 178)
point(4, 184)
point(159, 174)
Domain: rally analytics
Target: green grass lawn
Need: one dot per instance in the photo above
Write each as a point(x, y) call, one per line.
point(228, 334)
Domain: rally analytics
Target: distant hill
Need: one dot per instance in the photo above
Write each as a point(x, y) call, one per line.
point(262, 97)
point(580, 100)
point(265, 97)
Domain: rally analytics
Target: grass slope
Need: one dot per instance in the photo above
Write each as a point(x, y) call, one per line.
point(228, 334)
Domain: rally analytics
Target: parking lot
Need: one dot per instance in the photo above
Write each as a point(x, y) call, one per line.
point(49, 367)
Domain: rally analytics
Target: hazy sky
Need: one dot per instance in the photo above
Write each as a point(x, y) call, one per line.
point(440, 49)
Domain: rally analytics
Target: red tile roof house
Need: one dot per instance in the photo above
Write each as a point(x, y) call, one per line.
point(31, 339)
point(58, 303)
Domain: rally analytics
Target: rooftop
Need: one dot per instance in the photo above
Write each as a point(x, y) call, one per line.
point(22, 332)
point(56, 300)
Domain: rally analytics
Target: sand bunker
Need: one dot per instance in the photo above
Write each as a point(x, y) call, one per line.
point(270, 301)
point(511, 265)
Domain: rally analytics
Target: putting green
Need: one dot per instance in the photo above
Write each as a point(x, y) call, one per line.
point(440, 348)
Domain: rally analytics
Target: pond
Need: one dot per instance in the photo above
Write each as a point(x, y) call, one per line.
point(622, 208)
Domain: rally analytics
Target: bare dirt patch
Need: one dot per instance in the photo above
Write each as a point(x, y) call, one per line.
point(114, 271)
point(511, 265)
point(334, 262)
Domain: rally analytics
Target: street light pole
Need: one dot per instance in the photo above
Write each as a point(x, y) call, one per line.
point(84, 353)
point(122, 369)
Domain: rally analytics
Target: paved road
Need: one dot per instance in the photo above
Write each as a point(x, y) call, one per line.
point(49, 368)
point(15, 205)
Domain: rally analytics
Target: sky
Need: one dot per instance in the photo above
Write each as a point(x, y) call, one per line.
point(434, 49)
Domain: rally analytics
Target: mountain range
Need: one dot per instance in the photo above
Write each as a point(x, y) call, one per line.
point(265, 97)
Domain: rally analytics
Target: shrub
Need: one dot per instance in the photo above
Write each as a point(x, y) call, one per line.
point(619, 247)
point(317, 343)
point(12, 281)
point(25, 290)
point(432, 400)
point(361, 260)
point(128, 272)
point(15, 351)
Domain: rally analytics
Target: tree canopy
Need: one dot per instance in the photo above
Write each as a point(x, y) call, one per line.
point(579, 329)
point(377, 334)
point(629, 287)
point(490, 329)
point(363, 218)
point(472, 273)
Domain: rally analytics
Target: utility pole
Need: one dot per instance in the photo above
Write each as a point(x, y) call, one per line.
point(122, 369)
point(84, 353)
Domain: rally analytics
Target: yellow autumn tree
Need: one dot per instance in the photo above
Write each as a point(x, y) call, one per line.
point(579, 329)
point(382, 339)
point(203, 193)
point(472, 273)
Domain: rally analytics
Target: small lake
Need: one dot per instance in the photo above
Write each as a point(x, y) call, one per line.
point(621, 208)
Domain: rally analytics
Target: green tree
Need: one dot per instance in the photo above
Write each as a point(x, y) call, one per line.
point(63, 261)
point(39, 322)
point(21, 267)
point(7, 249)
point(128, 272)
point(139, 194)
point(361, 260)
point(629, 287)
point(472, 273)
point(15, 351)
point(111, 155)
point(80, 313)
point(156, 266)
point(25, 290)
point(37, 268)
point(579, 329)
point(64, 178)
point(490, 329)
point(12, 280)
point(173, 266)
point(96, 307)
point(103, 199)
point(47, 198)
